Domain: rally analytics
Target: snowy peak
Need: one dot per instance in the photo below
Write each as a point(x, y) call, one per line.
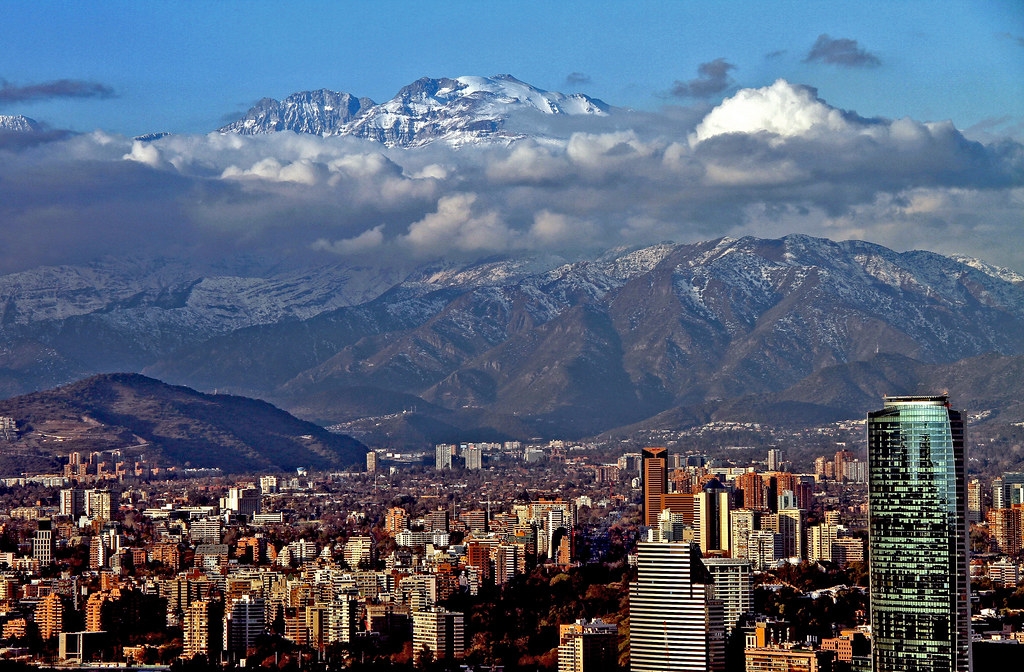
point(316, 112)
point(457, 111)
point(16, 123)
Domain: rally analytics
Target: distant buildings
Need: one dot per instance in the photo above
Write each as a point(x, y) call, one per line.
point(443, 454)
point(920, 616)
point(43, 542)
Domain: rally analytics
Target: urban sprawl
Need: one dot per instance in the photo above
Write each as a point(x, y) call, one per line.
point(507, 556)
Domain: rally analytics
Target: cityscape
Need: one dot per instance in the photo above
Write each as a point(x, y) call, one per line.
point(585, 336)
point(506, 556)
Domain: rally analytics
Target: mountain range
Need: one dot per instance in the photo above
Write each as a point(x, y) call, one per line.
point(805, 329)
point(797, 329)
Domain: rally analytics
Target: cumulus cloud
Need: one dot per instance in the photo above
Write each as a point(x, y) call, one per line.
point(61, 88)
point(765, 161)
point(841, 51)
point(712, 77)
point(457, 225)
point(781, 109)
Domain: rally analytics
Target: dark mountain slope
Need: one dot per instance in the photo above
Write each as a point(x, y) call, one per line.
point(176, 426)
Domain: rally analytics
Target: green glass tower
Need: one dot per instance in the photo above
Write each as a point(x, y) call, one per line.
point(920, 602)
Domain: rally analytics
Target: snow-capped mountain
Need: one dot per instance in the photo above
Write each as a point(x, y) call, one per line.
point(320, 112)
point(574, 347)
point(456, 111)
point(17, 123)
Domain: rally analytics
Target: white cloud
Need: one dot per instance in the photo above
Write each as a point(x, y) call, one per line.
point(143, 152)
point(434, 171)
point(765, 162)
point(781, 109)
point(528, 163)
point(364, 242)
point(298, 172)
point(456, 227)
point(557, 229)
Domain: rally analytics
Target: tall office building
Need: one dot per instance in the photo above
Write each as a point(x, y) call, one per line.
point(72, 502)
point(675, 624)
point(975, 501)
point(711, 516)
point(741, 523)
point(243, 500)
point(920, 617)
point(203, 629)
point(998, 493)
point(98, 504)
point(474, 457)
point(753, 488)
point(655, 476)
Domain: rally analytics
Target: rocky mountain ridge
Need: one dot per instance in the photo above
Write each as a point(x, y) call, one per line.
point(456, 111)
point(17, 123)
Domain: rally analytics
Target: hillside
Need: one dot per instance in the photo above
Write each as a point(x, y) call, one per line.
point(168, 425)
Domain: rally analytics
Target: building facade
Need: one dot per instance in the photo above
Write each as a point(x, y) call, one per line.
point(920, 618)
point(732, 587)
point(439, 632)
point(588, 646)
point(655, 481)
point(675, 624)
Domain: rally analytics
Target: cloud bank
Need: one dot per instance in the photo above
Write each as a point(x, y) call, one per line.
point(764, 162)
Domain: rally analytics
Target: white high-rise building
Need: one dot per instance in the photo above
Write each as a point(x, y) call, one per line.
point(732, 586)
point(72, 502)
point(243, 500)
point(764, 548)
point(439, 631)
point(43, 543)
point(443, 454)
point(675, 624)
point(474, 457)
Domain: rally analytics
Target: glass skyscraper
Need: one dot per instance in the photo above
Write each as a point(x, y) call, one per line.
point(920, 617)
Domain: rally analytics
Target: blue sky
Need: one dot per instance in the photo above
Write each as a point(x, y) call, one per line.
point(186, 67)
